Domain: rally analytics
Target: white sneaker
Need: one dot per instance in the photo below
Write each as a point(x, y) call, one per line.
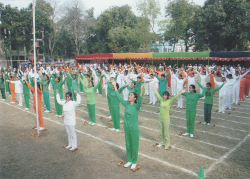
point(68, 147)
point(223, 112)
point(60, 116)
point(117, 130)
point(112, 129)
point(208, 124)
point(127, 164)
point(56, 115)
point(41, 128)
point(72, 149)
point(46, 111)
point(219, 111)
point(159, 145)
point(204, 123)
point(109, 117)
point(191, 135)
point(92, 124)
point(26, 109)
point(133, 166)
point(229, 108)
point(186, 134)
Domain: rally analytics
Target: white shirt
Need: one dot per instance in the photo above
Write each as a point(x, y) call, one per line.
point(18, 86)
point(69, 109)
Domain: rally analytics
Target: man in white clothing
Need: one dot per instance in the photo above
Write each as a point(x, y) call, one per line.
point(18, 91)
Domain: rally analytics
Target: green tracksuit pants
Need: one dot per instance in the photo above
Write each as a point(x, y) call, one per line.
point(132, 145)
point(46, 100)
point(91, 112)
point(109, 102)
point(164, 131)
point(190, 116)
point(207, 112)
point(115, 115)
point(58, 106)
point(81, 87)
point(3, 93)
point(100, 89)
point(26, 100)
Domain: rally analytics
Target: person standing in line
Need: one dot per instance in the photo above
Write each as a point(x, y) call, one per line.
point(39, 97)
point(90, 92)
point(163, 83)
point(131, 126)
point(246, 92)
point(44, 81)
point(2, 87)
point(26, 94)
point(191, 104)
point(208, 103)
point(164, 118)
point(12, 89)
point(74, 79)
point(203, 76)
point(69, 108)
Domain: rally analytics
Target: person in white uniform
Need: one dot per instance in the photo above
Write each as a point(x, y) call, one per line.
point(203, 80)
point(69, 108)
point(18, 90)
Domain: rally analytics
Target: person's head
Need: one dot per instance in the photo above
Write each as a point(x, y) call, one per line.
point(138, 78)
point(192, 89)
point(208, 85)
point(229, 76)
point(165, 95)
point(180, 76)
point(57, 79)
point(163, 77)
point(45, 77)
point(68, 96)
point(204, 72)
point(133, 84)
point(132, 97)
point(223, 79)
point(90, 84)
point(111, 79)
point(10, 77)
point(192, 74)
point(74, 76)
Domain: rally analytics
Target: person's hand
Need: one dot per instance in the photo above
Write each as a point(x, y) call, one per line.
point(114, 83)
point(75, 92)
point(184, 91)
point(57, 91)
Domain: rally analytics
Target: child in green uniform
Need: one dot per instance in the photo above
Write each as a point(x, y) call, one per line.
point(69, 84)
point(6, 84)
point(57, 85)
point(191, 103)
point(115, 108)
point(164, 118)
point(130, 88)
point(208, 103)
point(138, 85)
point(163, 83)
point(26, 93)
point(99, 75)
point(90, 92)
point(44, 81)
point(74, 78)
point(2, 87)
point(131, 126)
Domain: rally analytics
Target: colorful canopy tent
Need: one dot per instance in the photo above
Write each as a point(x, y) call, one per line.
point(188, 57)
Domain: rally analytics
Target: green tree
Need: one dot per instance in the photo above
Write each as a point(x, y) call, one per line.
point(151, 10)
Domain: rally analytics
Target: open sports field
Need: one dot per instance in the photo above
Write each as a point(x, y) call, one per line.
point(223, 150)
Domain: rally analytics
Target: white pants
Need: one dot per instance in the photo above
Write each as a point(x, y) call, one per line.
point(229, 98)
point(106, 88)
point(236, 94)
point(71, 136)
point(20, 99)
point(125, 94)
point(180, 100)
point(173, 87)
point(222, 103)
point(152, 96)
point(146, 89)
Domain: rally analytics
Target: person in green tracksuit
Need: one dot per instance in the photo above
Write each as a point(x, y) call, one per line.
point(2, 87)
point(69, 84)
point(138, 85)
point(163, 83)
point(115, 107)
point(80, 85)
point(130, 88)
point(57, 85)
point(191, 103)
point(164, 118)
point(74, 78)
point(7, 89)
point(90, 92)
point(109, 90)
point(26, 93)
point(208, 103)
point(99, 75)
point(44, 81)
point(131, 126)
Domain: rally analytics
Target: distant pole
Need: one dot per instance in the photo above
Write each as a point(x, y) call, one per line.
point(34, 49)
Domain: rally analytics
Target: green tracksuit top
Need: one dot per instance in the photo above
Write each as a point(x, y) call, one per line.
point(45, 84)
point(2, 85)
point(58, 87)
point(191, 100)
point(137, 86)
point(163, 84)
point(131, 112)
point(209, 93)
point(74, 82)
point(165, 105)
point(90, 91)
point(69, 82)
point(115, 103)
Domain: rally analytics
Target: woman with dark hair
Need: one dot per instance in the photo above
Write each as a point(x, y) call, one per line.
point(191, 103)
point(90, 92)
point(164, 118)
point(131, 126)
point(57, 85)
point(39, 97)
point(69, 108)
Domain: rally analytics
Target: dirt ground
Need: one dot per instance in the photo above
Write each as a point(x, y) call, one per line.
point(222, 150)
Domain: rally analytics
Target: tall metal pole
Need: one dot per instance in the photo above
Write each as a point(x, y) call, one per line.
point(34, 49)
